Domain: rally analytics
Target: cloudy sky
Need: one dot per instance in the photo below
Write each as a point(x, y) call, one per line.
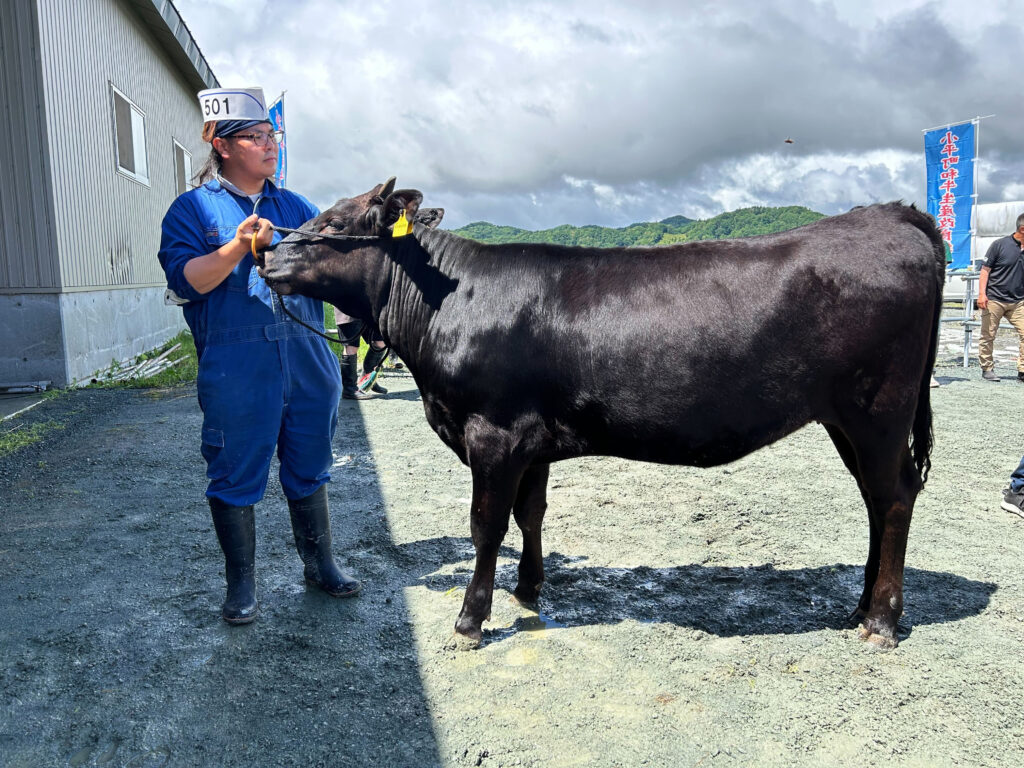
point(542, 113)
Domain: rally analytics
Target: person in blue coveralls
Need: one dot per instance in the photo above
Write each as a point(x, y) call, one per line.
point(265, 383)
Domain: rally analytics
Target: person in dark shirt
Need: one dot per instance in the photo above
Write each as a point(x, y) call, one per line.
point(1001, 294)
point(350, 330)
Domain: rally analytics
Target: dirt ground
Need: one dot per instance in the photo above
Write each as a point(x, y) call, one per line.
point(690, 617)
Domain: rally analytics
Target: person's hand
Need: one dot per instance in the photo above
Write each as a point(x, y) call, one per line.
point(983, 302)
point(264, 234)
point(256, 227)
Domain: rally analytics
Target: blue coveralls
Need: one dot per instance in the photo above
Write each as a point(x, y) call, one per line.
point(264, 380)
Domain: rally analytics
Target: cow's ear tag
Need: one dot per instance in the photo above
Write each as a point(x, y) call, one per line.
point(401, 228)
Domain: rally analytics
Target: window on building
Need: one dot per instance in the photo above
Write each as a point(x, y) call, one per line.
point(130, 127)
point(182, 169)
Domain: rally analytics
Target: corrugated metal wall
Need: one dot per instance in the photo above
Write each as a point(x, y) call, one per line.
point(108, 225)
point(28, 257)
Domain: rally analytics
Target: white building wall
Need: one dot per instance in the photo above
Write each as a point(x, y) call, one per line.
point(80, 284)
point(108, 225)
point(28, 255)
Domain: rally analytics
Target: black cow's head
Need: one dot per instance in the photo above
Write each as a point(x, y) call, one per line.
point(304, 263)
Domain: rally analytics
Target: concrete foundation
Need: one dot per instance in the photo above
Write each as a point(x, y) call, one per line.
point(66, 338)
point(32, 339)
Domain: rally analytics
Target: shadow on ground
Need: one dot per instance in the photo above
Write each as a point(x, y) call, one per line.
point(722, 601)
point(112, 651)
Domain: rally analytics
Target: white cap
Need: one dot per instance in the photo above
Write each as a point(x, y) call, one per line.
point(233, 104)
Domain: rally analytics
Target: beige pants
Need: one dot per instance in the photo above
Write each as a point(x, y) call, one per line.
point(990, 318)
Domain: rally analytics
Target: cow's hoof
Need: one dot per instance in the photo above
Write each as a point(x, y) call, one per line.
point(468, 633)
point(884, 641)
point(526, 596)
point(460, 642)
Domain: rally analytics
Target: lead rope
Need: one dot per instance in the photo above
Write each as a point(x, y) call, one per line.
point(367, 380)
point(280, 298)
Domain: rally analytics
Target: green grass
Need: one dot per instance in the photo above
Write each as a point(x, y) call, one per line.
point(17, 437)
point(186, 371)
point(182, 373)
point(12, 438)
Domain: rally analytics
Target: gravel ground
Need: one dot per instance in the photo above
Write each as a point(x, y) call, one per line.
point(690, 618)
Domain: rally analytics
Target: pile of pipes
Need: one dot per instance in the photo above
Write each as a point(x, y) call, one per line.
point(144, 369)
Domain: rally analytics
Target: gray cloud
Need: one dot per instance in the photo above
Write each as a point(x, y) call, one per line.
point(536, 114)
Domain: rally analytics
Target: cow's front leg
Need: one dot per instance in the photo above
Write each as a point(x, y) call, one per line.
point(494, 488)
point(530, 505)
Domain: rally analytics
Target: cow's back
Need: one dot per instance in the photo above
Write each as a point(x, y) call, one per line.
point(696, 353)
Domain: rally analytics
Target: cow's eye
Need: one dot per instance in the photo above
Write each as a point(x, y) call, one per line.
point(334, 224)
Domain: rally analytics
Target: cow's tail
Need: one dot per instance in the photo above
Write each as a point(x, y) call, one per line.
point(922, 436)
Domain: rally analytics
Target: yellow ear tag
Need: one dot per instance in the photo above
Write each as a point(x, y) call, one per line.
point(401, 228)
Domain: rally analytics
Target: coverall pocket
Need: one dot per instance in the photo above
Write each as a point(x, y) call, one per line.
point(213, 437)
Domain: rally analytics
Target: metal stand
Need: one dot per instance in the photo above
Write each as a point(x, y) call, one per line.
point(969, 277)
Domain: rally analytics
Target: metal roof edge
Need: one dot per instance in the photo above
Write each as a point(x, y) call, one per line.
point(169, 28)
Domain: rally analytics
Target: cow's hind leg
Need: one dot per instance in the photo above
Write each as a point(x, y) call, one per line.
point(495, 484)
point(891, 513)
point(849, 457)
point(890, 482)
point(530, 505)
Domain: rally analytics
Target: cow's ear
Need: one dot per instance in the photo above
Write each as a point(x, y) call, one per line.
point(429, 217)
point(381, 191)
point(407, 200)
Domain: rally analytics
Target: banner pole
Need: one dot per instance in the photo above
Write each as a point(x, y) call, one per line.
point(956, 122)
point(974, 194)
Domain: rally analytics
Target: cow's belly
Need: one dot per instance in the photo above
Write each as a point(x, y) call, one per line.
point(700, 437)
point(702, 434)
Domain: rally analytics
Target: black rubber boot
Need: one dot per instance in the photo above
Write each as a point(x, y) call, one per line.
point(312, 528)
point(236, 532)
point(373, 358)
point(349, 378)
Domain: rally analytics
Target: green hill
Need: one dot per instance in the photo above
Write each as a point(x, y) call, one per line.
point(675, 229)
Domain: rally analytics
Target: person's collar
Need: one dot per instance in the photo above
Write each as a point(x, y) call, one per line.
point(1018, 242)
point(269, 189)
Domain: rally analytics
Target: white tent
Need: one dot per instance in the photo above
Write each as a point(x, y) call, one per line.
point(991, 221)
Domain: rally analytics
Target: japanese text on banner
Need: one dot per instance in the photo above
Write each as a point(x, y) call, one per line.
point(949, 155)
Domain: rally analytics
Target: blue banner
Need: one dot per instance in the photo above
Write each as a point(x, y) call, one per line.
point(276, 112)
point(949, 154)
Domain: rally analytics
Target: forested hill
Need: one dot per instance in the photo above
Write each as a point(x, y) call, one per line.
point(675, 229)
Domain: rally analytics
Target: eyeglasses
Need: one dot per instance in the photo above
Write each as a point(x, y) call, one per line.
point(261, 138)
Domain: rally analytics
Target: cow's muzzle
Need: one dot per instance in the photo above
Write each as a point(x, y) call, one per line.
point(260, 255)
